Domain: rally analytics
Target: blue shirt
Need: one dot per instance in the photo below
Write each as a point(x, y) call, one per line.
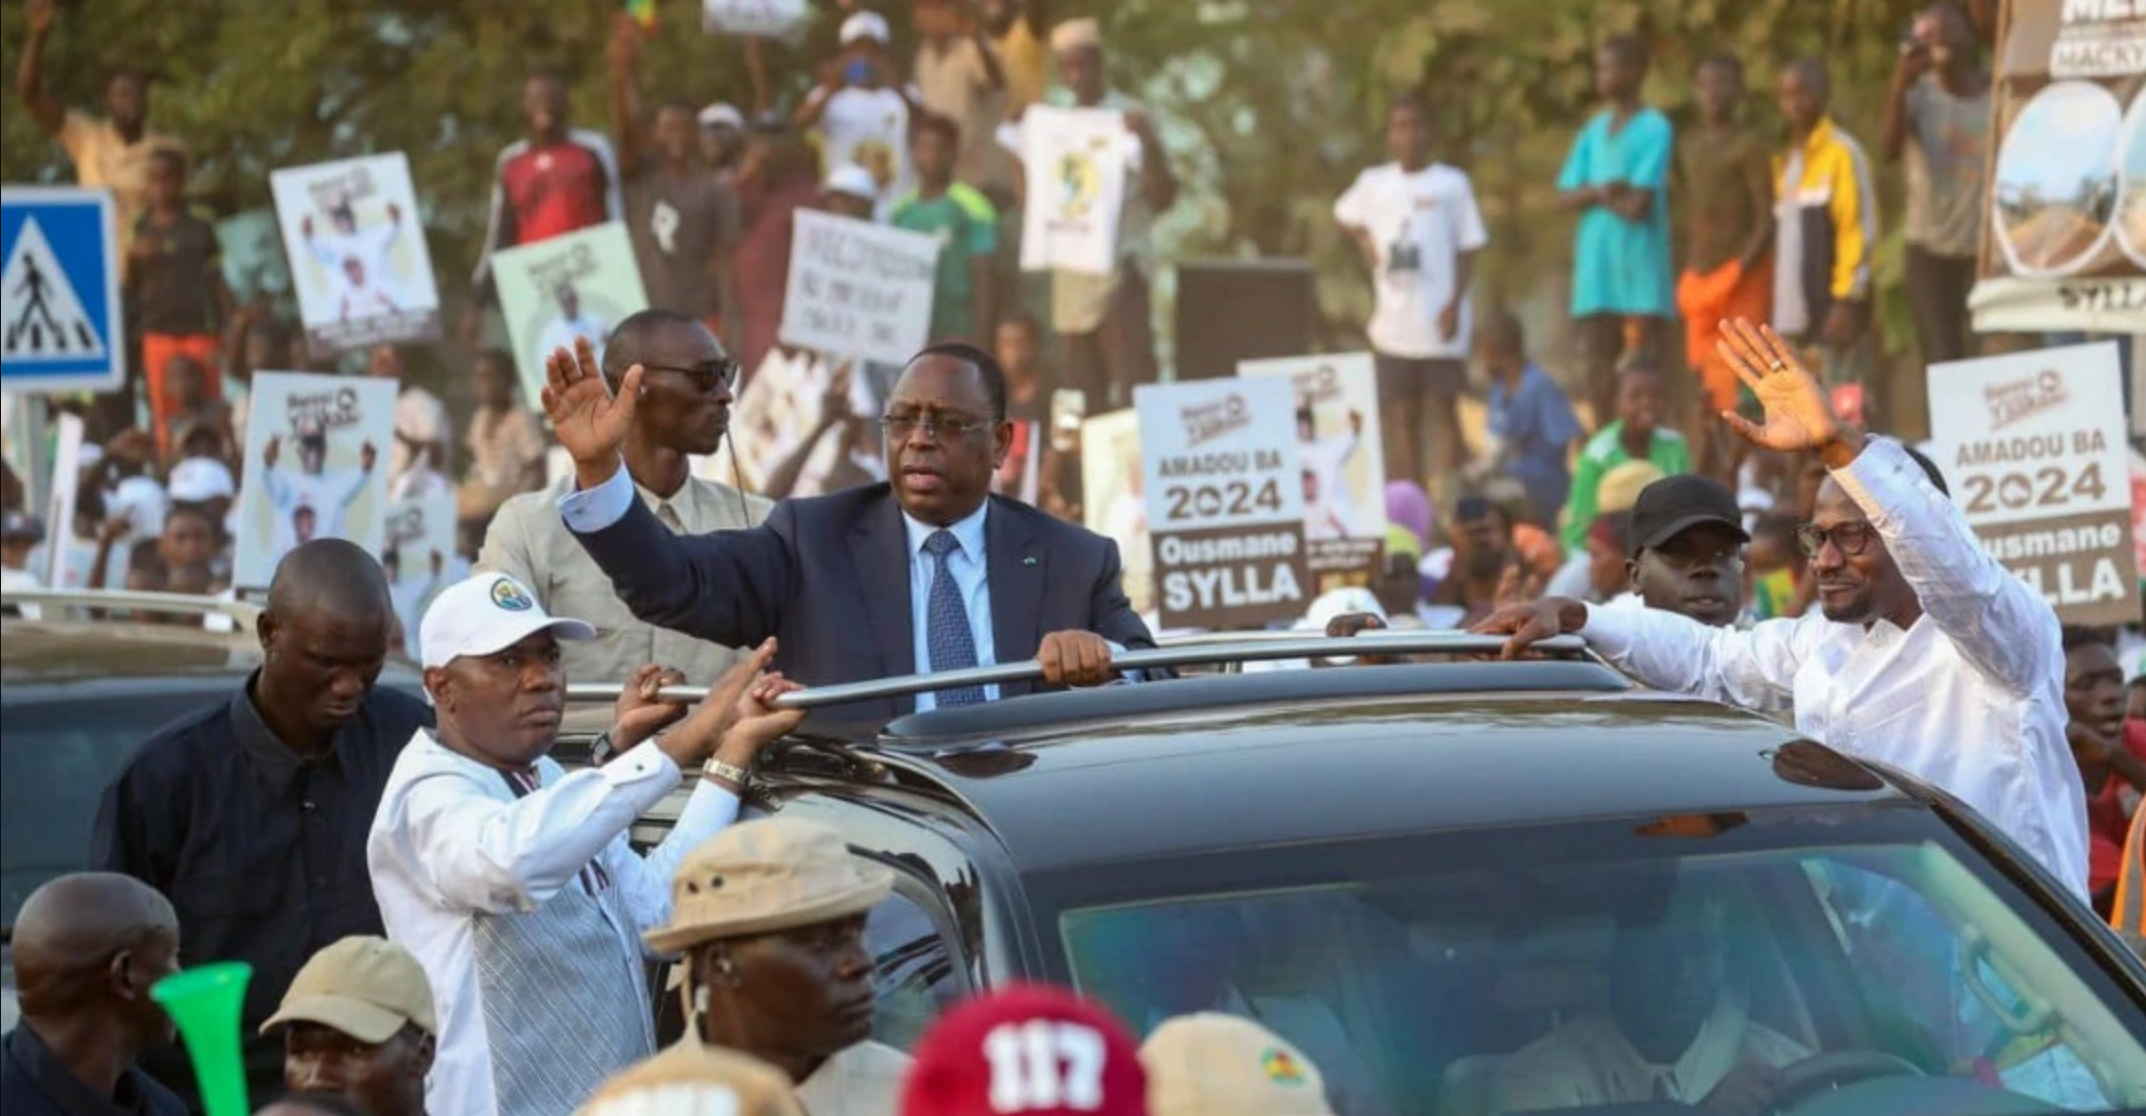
point(1620, 266)
point(1536, 422)
point(968, 569)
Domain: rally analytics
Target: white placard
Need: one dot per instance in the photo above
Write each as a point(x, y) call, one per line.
point(66, 480)
point(315, 467)
point(582, 284)
point(1076, 162)
point(765, 19)
point(1225, 501)
point(1114, 503)
point(1342, 452)
point(857, 289)
point(357, 251)
point(418, 549)
point(2032, 446)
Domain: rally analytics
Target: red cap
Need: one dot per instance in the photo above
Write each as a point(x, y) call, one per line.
point(1026, 1050)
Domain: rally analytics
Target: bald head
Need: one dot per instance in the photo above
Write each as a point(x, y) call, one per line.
point(324, 639)
point(333, 575)
point(70, 931)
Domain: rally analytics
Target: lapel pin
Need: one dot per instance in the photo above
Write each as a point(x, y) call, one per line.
point(1029, 561)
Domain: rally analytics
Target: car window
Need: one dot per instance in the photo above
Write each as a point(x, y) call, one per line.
point(914, 974)
point(1869, 956)
point(55, 762)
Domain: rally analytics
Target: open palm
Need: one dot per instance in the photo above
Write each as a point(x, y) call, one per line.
point(1798, 414)
point(589, 421)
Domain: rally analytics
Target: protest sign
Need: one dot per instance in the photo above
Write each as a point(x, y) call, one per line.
point(357, 252)
point(417, 551)
point(254, 264)
point(1077, 161)
point(1113, 504)
point(2032, 445)
point(1344, 464)
point(314, 467)
point(2064, 238)
point(763, 19)
point(60, 509)
point(578, 285)
point(1225, 502)
point(857, 289)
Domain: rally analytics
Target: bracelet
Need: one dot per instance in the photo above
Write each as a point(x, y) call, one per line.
point(729, 772)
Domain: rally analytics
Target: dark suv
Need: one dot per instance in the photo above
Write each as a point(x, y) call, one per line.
point(1441, 879)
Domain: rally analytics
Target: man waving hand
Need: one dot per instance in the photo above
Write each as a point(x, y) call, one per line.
point(1926, 653)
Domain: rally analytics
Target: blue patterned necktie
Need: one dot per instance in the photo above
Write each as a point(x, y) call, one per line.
point(946, 633)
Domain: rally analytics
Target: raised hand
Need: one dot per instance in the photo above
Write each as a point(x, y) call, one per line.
point(367, 457)
point(39, 15)
point(589, 421)
point(1798, 415)
point(272, 450)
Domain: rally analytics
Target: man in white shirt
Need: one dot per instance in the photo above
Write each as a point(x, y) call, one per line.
point(570, 325)
point(1927, 654)
point(1327, 460)
point(511, 881)
point(1416, 223)
point(862, 111)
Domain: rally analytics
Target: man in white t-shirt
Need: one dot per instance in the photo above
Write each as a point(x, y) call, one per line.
point(862, 111)
point(1326, 459)
point(1417, 225)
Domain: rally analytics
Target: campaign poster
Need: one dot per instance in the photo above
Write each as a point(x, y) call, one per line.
point(1076, 161)
point(763, 19)
point(2032, 445)
point(357, 252)
point(1225, 502)
point(1114, 502)
point(554, 291)
point(1343, 459)
point(417, 550)
point(857, 289)
point(2064, 237)
point(253, 259)
point(778, 415)
point(315, 467)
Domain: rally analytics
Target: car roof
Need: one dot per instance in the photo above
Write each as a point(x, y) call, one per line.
point(45, 657)
point(1235, 761)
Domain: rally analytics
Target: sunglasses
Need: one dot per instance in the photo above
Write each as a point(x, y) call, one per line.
point(706, 377)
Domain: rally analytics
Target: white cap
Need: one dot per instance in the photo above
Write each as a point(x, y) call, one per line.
point(143, 502)
point(722, 114)
point(199, 479)
point(865, 25)
point(485, 615)
point(851, 179)
point(1340, 602)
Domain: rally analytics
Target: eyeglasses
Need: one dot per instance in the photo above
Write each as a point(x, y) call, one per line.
point(706, 377)
point(1851, 538)
point(900, 427)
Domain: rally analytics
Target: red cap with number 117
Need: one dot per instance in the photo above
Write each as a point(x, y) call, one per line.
point(1026, 1050)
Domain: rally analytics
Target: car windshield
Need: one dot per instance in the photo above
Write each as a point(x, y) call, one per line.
point(1870, 960)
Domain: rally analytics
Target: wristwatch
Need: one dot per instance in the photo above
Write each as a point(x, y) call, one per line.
point(728, 772)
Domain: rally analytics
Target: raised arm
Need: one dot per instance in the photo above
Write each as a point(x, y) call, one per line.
point(46, 109)
point(623, 87)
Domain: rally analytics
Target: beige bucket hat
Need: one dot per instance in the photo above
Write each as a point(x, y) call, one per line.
point(690, 1079)
point(1210, 1063)
point(760, 876)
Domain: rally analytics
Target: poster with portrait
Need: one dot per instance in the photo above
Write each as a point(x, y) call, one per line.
point(1018, 476)
point(1076, 162)
point(1114, 501)
point(1343, 459)
point(2032, 446)
point(357, 253)
point(578, 285)
point(2064, 233)
point(253, 259)
point(417, 550)
point(777, 416)
point(315, 467)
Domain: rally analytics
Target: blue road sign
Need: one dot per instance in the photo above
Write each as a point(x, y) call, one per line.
point(60, 325)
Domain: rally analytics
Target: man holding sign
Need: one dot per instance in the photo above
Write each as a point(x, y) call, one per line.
point(940, 573)
point(1928, 655)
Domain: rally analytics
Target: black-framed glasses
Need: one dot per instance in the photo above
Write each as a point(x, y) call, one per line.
point(706, 377)
point(900, 427)
point(1851, 538)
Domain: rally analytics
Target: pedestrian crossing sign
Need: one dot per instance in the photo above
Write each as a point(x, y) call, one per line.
point(60, 325)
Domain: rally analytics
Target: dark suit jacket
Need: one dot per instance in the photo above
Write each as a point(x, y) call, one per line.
point(828, 576)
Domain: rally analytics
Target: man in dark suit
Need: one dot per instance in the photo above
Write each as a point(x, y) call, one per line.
point(928, 572)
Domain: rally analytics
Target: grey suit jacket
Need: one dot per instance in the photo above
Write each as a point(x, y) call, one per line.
point(828, 576)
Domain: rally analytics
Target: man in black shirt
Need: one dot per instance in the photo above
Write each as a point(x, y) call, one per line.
point(87, 947)
point(252, 816)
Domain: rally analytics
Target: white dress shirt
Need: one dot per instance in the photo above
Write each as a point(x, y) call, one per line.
point(452, 841)
point(1589, 1062)
point(1969, 698)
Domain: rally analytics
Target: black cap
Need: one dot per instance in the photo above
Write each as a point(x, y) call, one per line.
point(15, 526)
point(1673, 505)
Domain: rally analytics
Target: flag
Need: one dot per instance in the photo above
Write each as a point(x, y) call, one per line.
point(643, 13)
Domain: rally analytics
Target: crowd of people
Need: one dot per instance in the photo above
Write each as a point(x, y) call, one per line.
point(440, 918)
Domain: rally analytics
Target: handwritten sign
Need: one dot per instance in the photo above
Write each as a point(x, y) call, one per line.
point(2032, 445)
point(1225, 502)
point(858, 289)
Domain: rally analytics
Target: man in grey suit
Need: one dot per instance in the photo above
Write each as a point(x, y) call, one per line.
point(928, 572)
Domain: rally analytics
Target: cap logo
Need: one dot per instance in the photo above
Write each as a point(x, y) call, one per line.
point(1280, 1067)
point(510, 597)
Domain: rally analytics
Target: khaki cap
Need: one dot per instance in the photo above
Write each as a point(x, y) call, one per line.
point(691, 1079)
point(1074, 34)
point(1620, 487)
point(365, 987)
point(1212, 1064)
point(760, 876)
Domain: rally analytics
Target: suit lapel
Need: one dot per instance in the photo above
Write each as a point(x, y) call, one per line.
point(1016, 569)
point(879, 556)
